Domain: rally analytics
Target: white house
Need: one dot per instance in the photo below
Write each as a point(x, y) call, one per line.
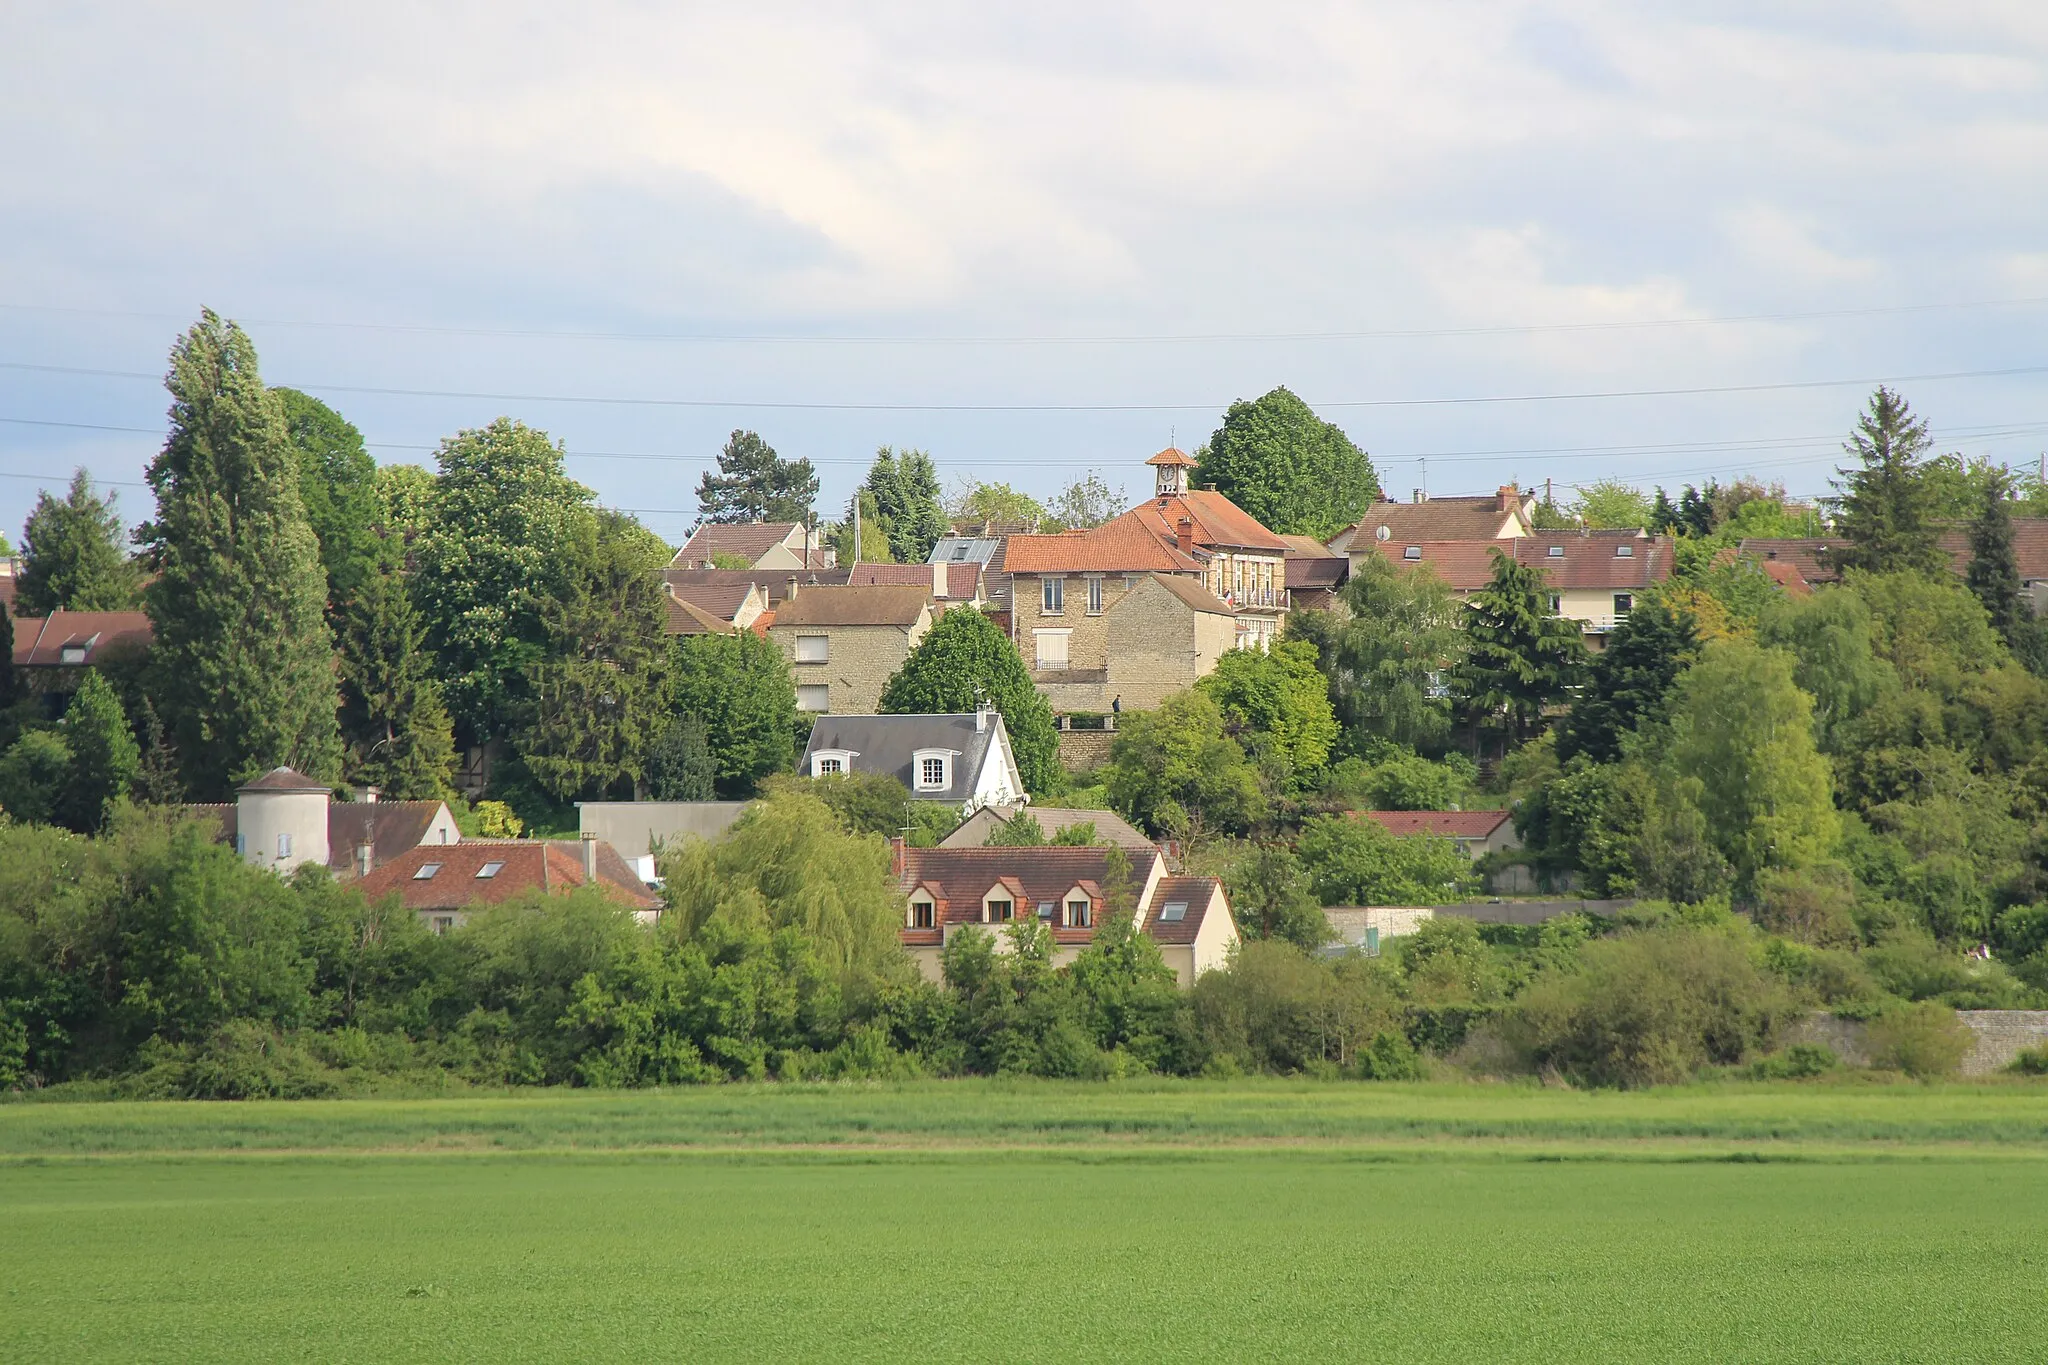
point(961, 761)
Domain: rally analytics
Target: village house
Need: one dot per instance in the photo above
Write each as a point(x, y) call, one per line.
point(963, 761)
point(285, 819)
point(950, 585)
point(1799, 564)
point(1475, 832)
point(1597, 577)
point(1109, 827)
point(753, 545)
point(985, 553)
point(845, 643)
point(442, 885)
point(715, 608)
point(1507, 515)
point(50, 650)
point(947, 891)
point(1315, 574)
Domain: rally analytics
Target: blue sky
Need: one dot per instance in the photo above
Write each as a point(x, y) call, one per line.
point(1035, 239)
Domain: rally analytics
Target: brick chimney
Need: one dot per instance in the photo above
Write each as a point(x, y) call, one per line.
point(1508, 498)
point(589, 842)
point(896, 855)
point(1184, 536)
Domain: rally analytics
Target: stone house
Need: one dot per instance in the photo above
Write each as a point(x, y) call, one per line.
point(761, 544)
point(285, 819)
point(1799, 564)
point(1243, 563)
point(1475, 832)
point(844, 643)
point(951, 585)
point(947, 890)
point(1596, 577)
point(442, 885)
point(963, 761)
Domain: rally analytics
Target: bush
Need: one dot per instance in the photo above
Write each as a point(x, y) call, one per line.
point(2031, 1061)
point(1924, 1040)
point(1390, 1057)
point(1799, 1062)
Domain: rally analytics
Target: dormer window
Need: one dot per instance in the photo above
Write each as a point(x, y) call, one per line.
point(1079, 914)
point(998, 911)
point(923, 913)
point(931, 770)
point(1624, 552)
point(832, 762)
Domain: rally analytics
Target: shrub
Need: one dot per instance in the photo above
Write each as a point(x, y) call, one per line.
point(2031, 1061)
point(1390, 1057)
point(1925, 1040)
point(1799, 1062)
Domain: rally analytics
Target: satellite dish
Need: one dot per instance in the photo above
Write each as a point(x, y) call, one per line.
point(1384, 533)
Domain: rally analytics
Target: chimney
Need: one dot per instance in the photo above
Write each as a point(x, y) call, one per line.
point(1507, 498)
point(896, 855)
point(589, 842)
point(789, 593)
point(365, 855)
point(367, 795)
point(1184, 536)
point(980, 717)
point(938, 579)
point(1417, 495)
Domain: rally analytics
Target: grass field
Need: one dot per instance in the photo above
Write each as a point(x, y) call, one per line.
point(1261, 1221)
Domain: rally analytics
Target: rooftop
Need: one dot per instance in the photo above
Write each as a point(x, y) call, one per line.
point(875, 605)
point(890, 744)
point(74, 638)
point(489, 871)
point(1449, 824)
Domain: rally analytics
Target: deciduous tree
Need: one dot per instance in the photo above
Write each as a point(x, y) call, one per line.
point(964, 662)
point(338, 484)
point(1176, 770)
point(1275, 703)
point(1388, 654)
point(739, 687)
point(1296, 473)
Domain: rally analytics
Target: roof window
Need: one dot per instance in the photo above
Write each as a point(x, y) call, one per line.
point(1624, 552)
point(1557, 552)
point(426, 872)
point(489, 870)
point(1174, 911)
point(960, 552)
point(1412, 552)
point(1046, 910)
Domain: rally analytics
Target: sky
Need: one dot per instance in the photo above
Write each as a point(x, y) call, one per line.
point(1493, 241)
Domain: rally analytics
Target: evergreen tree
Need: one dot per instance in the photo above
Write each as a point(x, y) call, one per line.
point(491, 560)
point(396, 728)
point(1994, 573)
point(1664, 518)
point(10, 681)
point(72, 556)
point(965, 661)
point(596, 695)
point(905, 485)
point(739, 687)
point(753, 483)
point(243, 666)
point(156, 775)
point(1627, 684)
point(1518, 657)
point(1696, 513)
point(1287, 467)
point(338, 484)
point(1883, 508)
point(680, 766)
point(104, 758)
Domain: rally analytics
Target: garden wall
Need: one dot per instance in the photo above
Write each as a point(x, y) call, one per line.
point(2000, 1035)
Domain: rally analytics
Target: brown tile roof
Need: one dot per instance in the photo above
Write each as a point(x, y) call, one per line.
point(1317, 571)
point(686, 617)
point(850, 606)
point(1805, 554)
point(1172, 455)
point(956, 580)
point(1592, 559)
point(773, 582)
point(390, 827)
point(551, 865)
point(1307, 546)
point(1478, 518)
point(1450, 824)
point(722, 600)
point(2029, 547)
point(1466, 565)
point(40, 641)
point(1033, 875)
point(284, 780)
point(1199, 894)
point(750, 540)
point(1119, 546)
point(1194, 592)
point(1219, 522)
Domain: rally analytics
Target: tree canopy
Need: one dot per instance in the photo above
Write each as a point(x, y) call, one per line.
point(739, 688)
point(73, 556)
point(1296, 473)
point(1519, 656)
point(753, 483)
point(964, 661)
point(338, 484)
point(1883, 509)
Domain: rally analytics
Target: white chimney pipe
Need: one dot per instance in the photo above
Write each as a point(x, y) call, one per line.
point(589, 856)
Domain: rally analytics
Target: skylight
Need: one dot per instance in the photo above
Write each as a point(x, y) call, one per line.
point(489, 870)
point(1046, 909)
point(1557, 552)
point(1174, 910)
point(1624, 552)
point(426, 872)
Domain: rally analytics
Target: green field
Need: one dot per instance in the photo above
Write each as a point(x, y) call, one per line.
point(983, 1221)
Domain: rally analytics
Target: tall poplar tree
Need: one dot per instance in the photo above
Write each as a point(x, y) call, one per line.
point(1994, 572)
point(243, 666)
point(1883, 509)
point(72, 555)
point(338, 484)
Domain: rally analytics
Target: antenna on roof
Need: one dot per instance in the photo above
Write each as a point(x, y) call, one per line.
point(1424, 460)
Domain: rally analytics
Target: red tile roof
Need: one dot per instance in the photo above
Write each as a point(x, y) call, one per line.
point(1032, 875)
point(1807, 555)
point(851, 606)
point(1199, 894)
point(1219, 523)
point(1593, 559)
point(1450, 824)
point(40, 641)
point(1476, 518)
point(686, 617)
point(749, 540)
point(1466, 565)
point(1172, 455)
point(548, 865)
point(1119, 546)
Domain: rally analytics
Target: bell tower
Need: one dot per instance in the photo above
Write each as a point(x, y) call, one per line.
point(1172, 465)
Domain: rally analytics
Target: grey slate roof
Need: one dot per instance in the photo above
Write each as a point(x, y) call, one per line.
point(887, 744)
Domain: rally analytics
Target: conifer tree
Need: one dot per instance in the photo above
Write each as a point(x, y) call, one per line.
point(338, 484)
point(243, 666)
point(680, 767)
point(1994, 572)
point(1519, 658)
point(10, 681)
point(1883, 507)
point(1628, 683)
point(104, 757)
point(753, 483)
point(72, 555)
point(156, 775)
point(1664, 518)
point(397, 730)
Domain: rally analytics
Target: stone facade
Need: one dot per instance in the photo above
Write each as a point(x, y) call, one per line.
point(1144, 644)
point(1084, 751)
point(858, 663)
point(1999, 1036)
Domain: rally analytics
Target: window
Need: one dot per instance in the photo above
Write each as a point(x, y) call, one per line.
point(1173, 912)
point(1557, 552)
point(1128, 581)
point(813, 649)
point(444, 834)
point(960, 552)
point(1095, 595)
point(1624, 603)
point(931, 772)
point(813, 697)
point(1045, 911)
point(1000, 912)
point(241, 845)
point(74, 654)
point(443, 923)
point(1624, 552)
point(1053, 596)
point(1412, 552)
point(284, 845)
point(426, 872)
point(1051, 647)
point(923, 915)
point(488, 871)
point(1556, 604)
point(1077, 913)
point(828, 767)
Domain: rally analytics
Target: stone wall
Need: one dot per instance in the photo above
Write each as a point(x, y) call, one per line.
point(2000, 1035)
point(859, 661)
point(1085, 750)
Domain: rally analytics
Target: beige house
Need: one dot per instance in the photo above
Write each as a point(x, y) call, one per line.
point(1597, 577)
point(844, 643)
point(1390, 526)
point(1475, 832)
point(1110, 828)
point(714, 608)
point(284, 819)
point(946, 891)
point(753, 545)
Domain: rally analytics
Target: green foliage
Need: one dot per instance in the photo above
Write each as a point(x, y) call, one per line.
point(1278, 1009)
point(495, 820)
point(1354, 861)
point(104, 757)
point(1176, 770)
point(72, 555)
point(876, 803)
point(996, 505)
point(1884, 510)
point(874, 536)
point(1385, 662)
point(338, 484)
point(33, 774)
point(1084, 504)
point(680, 766)
point(1401, 779)
point(243, 665)
point(753, 483)
point(963, 662)
point(396, 729)
point(1447, 963)
point(903, 499)
point(10, 681)
point(1799, 1062)
point(1021, 830)
point(1271, 898)
point(1519, 658)
point(738, 686)
point(491, 563)
point(1829, 636)
point(1292, 471)
point(1994, 572)
point(1924, 1040)
point(1612, 505)
point(2030, 1061)
point(1275, 703)
point(1628, 683)
point(1592, 819)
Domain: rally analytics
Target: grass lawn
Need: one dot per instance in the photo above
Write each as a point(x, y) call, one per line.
point(992, 1222)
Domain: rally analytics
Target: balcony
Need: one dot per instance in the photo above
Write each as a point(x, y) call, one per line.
point(1260, 599)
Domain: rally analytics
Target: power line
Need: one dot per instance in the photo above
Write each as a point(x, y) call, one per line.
point(1101, 339)
point(608, 401)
